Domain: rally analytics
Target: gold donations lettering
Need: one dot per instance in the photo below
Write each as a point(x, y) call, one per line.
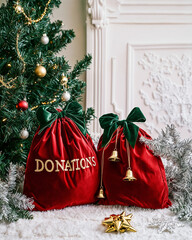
point(64, 165)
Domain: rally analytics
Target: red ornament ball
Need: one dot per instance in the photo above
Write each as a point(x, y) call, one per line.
point(23, 105)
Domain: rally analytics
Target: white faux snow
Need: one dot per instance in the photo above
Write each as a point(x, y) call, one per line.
point(85, 222)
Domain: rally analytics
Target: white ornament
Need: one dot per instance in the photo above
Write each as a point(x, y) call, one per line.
point(44, 39)
point(24, 134)
point(65, 96)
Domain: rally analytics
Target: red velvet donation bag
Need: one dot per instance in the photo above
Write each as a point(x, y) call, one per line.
point(130, 173)
point(62, 167)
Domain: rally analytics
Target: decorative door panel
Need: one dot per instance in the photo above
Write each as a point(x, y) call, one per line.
point(142, 56)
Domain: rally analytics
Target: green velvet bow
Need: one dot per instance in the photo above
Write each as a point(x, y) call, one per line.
point(73, 110)
point(110, 122)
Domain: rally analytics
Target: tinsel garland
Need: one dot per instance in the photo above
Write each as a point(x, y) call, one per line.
point(13, 204)
point(178, 168)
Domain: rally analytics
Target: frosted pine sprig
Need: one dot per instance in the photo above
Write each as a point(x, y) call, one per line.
point(13, 204)
point(178, 156)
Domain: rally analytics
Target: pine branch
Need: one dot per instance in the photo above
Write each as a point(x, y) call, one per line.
point(89, 115)
point(81, 66)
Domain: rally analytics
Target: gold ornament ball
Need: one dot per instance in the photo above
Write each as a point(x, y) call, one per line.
point(18, 9)
point(9, 65)
point(40, 71)
point(64, 80)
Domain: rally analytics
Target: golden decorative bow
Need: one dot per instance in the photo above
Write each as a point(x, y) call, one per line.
point(119, 223)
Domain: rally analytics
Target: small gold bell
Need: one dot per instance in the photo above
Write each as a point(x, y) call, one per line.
point(129, 176)
point(101, 193)
point(114, 156)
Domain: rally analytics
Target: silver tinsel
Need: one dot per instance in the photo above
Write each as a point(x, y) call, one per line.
point(178, 154)
point(95, 141)
point(13, 204)
point(162, 224)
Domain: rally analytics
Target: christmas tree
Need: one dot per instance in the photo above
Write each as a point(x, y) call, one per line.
point(31, 74)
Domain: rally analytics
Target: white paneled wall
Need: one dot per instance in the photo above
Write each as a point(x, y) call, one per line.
point(142, 56)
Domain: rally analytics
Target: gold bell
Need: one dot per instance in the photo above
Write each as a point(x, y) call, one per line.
point(114, 157)
point(101, 193)
point(129, 176)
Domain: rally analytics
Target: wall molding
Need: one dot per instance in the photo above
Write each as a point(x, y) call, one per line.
point(102, 20)
point(96, 45)
point(156, 103)
point(170, 102)
point(154, 12)
point(116, 109)
point(155, 2)
point(97, 11)
point(103, 12)
point(131, 49)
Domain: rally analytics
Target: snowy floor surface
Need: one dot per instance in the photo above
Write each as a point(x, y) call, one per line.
point(84, 222)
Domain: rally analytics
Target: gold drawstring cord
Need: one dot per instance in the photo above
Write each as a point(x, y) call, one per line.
point(102, 158)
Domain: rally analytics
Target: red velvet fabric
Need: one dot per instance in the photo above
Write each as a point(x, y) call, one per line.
point(55, 188)
point(149, 190)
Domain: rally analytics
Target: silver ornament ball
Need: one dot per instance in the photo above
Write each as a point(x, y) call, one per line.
point(44, 39)
point(65, 96)
point(24, 134)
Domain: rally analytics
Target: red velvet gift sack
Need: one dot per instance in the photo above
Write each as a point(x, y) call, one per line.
point(130, 173)
point(62, 167)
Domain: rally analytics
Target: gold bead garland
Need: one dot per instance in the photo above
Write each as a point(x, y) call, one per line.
point(7, 84)
point(44, 103)
point(20, 9)
point(18, 52)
